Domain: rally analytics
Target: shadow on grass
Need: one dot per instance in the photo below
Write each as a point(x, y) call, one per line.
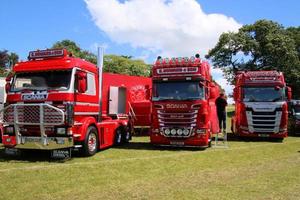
point(149, 146)
point(235, 138)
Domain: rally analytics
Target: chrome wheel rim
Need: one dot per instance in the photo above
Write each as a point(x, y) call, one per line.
point(92, 142)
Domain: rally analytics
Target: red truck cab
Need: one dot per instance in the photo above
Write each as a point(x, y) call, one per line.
point(183, 103)
point(261, 108)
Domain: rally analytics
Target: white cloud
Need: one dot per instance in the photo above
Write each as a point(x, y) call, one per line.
point(162, 27)
point(165, 27)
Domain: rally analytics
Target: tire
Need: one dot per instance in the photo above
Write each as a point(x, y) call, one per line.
point(126, 135)
point(118, 136)
point(91, 143)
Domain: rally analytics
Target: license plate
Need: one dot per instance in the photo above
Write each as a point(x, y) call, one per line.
point(12, 152)
point(32, 139)
point(263, 135)
point(178, 143)
point(61, 153)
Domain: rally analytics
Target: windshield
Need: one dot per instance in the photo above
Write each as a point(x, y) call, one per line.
point(177, 91)
point(47, 80)
point(264, 94)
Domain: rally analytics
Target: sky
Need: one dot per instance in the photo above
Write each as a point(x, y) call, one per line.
point(143, 29)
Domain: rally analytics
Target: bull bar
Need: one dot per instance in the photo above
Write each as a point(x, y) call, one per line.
point(38, 114)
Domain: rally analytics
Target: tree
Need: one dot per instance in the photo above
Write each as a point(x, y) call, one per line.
point(7, 60)
point(264, 45)
point(112, 63)
point(76, 51)
point(125, 65)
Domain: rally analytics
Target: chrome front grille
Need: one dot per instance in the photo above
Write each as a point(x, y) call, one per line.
point(33, 114)
point(264, 122)
point(177, 124)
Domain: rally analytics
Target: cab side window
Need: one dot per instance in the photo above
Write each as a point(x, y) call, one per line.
point(91, 84)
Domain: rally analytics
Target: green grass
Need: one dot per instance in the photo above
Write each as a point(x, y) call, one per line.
point(246, 170)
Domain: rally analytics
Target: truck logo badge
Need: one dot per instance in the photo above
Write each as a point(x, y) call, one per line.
point(176, 106)
point(36, 96)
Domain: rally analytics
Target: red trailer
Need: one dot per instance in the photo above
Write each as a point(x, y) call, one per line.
point(56, 101)
point(183, 103)
point(261, 108)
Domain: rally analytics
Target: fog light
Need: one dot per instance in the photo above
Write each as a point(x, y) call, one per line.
point(61, 131)
point(167, 131)
point(179, 131)
point(173, 131)
point(186, 132)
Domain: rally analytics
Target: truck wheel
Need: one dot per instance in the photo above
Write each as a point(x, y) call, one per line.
point(91, 142)
point(126, 136)
point(118, 136)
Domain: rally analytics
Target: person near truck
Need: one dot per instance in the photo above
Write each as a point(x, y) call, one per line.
point(221, 104)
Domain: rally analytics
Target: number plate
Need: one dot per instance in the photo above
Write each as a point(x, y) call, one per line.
point(32, 139)
point(178, 143)
point(12, 152)
point(263, 135)
point(61, 153)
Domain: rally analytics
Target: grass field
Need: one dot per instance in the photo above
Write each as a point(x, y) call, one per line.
point(245, 170)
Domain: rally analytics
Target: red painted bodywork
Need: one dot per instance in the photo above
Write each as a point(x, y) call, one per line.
point(178, 113)
point(86, 107)
point(241, 122)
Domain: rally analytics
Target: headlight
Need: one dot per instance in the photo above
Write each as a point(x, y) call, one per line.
point(167, 131)
point(179, 131)
point(61, 131)
point(173, 131)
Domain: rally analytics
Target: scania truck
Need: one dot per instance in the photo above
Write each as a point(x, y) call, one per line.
point(183, 102)
point(56, 101)
point(261, 108)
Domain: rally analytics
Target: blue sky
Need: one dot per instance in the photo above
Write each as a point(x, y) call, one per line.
point(37, 24)
point(140, 28)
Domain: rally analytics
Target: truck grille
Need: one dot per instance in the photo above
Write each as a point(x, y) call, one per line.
point(33, 114)
point(182, 121)
point(264, 122)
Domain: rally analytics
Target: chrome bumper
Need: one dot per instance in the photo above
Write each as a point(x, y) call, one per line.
point(48, 143)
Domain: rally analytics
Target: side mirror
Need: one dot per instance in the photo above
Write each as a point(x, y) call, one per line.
point(289, 93)
point(81, 82)
point(8, 83)
point(214, 92)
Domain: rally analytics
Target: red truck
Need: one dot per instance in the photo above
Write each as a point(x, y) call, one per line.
point(56, 101)
point(261, 108)
point(183, 103)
